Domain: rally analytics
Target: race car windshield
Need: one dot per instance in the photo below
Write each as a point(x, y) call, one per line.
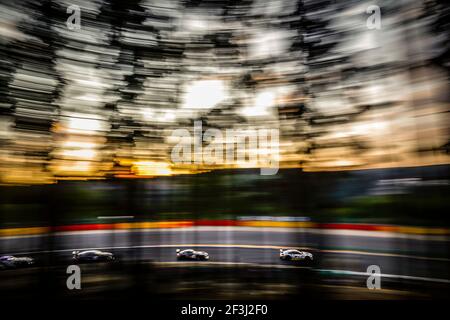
point(89, 253)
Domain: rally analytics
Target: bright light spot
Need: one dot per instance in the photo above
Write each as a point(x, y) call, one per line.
point(266, 44)
point(89, 80)
point(65, 167)
point(89, 97)
point(204, 94)
point(159, 116)
point(196, 25)
point(169, 116)
point(369, 128)
point(85, 154)
point(84, 124)
point(148, 114)
point(263, 102)
point(151, 168)
point(343, 163)
point(78, 144)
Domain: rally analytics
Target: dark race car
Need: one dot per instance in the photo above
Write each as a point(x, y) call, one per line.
point(12, 262)
point(190, 254)
point(92, 256)
point(296, 255)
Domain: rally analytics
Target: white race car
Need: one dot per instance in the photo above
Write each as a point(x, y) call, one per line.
point(11, 262)
point(92, 256)
point(190, 254)
point(296, 255)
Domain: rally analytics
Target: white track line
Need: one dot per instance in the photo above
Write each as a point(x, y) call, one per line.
point(176, 264)
point(384, 275)
point(278, 266)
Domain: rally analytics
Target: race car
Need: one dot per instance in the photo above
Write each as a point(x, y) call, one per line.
point(190, 254)
point(12, 262)
point(295, 255)
point(92, 256)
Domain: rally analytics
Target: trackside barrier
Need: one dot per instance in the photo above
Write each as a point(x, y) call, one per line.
point(7, 232)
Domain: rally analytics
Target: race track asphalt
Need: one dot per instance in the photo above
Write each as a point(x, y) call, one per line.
point(397, 255)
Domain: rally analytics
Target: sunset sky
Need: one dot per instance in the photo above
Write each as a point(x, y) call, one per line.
point(103, 101)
